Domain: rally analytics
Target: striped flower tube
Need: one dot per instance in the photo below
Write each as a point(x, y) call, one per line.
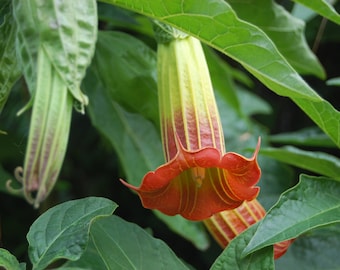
point(226, 225)
point(199, 179)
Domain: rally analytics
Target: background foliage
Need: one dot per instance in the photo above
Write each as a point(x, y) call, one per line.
point(274, 67)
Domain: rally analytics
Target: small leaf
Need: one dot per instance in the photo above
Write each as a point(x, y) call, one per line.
point(312, 203)
point(305, 137)
point(63, 231)
point(117, 244)
point(231, 257)
point(318, 162)
point(334, 81)
point(323, 8)
point(8, 261)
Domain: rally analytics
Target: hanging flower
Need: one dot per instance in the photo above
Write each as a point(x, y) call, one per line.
point(199, 178)
point(226, 225)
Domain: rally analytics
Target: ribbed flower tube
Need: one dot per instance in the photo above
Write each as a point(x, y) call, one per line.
point(226, 225)
point(199, 178)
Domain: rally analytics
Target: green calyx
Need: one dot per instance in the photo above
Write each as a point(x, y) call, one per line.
point(165, 33)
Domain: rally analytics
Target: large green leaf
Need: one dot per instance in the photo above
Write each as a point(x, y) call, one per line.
point(67, 30)
point(116, 244)
point(216, 24)
point(318, 162)
point(63, 231)
point(135, 139)
point(286, 31)
point(323, 8)
point(127, 67)
point(9, 68)
point(317, 250)
point(231, 257)
point(8, 261)
point(313, 203)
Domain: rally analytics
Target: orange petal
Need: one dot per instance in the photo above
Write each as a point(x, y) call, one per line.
point(198, 184)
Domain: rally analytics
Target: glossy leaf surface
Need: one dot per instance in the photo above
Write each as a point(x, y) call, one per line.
point(277, 22)
point(318, 162)
point(322, 7)
point(63, 231)
point(117, 244)
point(231, 257)
point(313, 203)
point(8, 261)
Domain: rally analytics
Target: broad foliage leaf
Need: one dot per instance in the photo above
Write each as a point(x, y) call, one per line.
point(318, 162)
point(67, 33)
point(313, 203)
point(117, 244)
point(232, 258)
point(317, 250)
point(8, 261)
point(277, 23)
point(322, 7)
point(9, 68)
point(63, 231)
point(305, 137)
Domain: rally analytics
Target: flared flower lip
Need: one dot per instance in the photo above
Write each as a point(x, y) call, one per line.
point(198, 184)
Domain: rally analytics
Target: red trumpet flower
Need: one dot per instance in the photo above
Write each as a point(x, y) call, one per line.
point(199, 178)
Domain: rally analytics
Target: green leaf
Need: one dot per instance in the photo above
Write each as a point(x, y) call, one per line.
point(216, 24)
point(135, 139)
point(317, 250)
point(8, 261)
point(334, 81)
point(324, 115)
point(67, 31)
point(231, 257)
point(323, 8)
point(318, 162)
point(305, 137)
point(312, 203)
point(63, 231)
point(117, 244)
point(127, 68)
point(9, 68)
point(190, 230)
point(286, 31)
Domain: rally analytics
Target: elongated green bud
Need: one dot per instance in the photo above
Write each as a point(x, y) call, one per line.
point(48, 135)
